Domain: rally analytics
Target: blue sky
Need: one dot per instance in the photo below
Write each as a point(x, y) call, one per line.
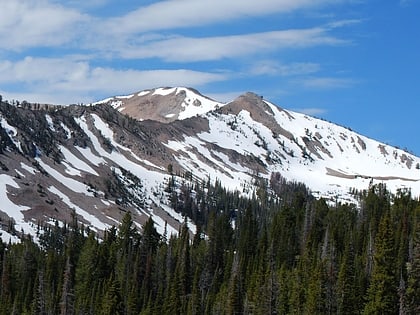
point(352, 62)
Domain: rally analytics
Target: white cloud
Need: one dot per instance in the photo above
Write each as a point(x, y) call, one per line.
point(44, 28)
point(272, 67)
point(405, 3)
point(186, 13)
point(37, 23)
point(73, 80)
point(311, 111)
point(327, 82)
point(342, 23)
point(182, 49)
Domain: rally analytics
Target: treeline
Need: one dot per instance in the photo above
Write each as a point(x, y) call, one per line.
point(281, 253)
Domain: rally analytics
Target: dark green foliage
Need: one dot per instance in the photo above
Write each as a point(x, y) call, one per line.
point(382, 292)
point(271, 254)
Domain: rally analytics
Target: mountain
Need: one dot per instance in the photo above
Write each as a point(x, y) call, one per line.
point(126, 153)
point(163, 104)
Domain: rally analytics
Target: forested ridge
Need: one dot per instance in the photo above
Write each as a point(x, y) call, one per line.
point(280, 252)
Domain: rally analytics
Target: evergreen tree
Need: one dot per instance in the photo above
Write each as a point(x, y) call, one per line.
point(67, 295)
point(413, 285)
point(347, 288)
point(382, 295)
point(112, 303)
point(86, 275)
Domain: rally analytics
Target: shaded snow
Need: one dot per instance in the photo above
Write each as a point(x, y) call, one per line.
point(50, 122)
point(11, 131)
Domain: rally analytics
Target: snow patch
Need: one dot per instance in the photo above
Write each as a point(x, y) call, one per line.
point(76, 162)
point(50, 122)
point(70, 183)
point(96, 223)
point(28, 168)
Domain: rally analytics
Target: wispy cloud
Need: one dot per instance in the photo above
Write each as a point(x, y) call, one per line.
point(273, 68)
point(69, 77)
point(405, 3)
point(187, 13)
point(183, 49)
point(311, 111)
point(327, 82)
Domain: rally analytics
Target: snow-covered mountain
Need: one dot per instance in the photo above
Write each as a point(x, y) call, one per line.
point(163, 104)
point(119, 155)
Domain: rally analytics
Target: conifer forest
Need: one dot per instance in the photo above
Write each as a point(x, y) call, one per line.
point(279, 252)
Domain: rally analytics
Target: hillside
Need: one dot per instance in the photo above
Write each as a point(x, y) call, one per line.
point(125, 154)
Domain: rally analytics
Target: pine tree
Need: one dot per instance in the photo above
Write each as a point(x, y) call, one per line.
point(87, 274)
point(347, 290)
point(413, 285)
point(382, 295)
point(67, 295)
point(112, 303)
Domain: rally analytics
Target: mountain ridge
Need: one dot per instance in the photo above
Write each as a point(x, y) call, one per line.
point(98, 162)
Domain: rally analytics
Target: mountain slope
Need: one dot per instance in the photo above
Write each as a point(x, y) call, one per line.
point(99, 161)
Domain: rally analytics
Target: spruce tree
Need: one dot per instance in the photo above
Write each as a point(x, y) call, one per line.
point(382, 295)
point(413, 285)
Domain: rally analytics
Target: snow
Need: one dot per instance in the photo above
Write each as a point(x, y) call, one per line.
point(11, 131)
point(191, 109)
point(229, 178)
point(7, 206)
point(124, 96)
point(7, 237)
point(94, 221)
point(66, 129)
point(20, 173)
point(116, 103)
point(76, 162)
point(149, 178)
point(343, 160)
point(106, 100)
point(365, 162)
point(70, 183)
point(50, 122)
point(71, 170)
point(92, 158)
point(13, 210)
point(142, 93)
point(163, 91)
point(361, 160)
point(28, 168)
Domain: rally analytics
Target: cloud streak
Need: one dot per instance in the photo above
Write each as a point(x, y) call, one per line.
point(327, 82)
point(313, 111)
point(273, 68)
point(188, 49)
point(67, 78)
point(188, 13)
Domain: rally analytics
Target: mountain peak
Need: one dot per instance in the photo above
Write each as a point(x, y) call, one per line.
point(164, 104)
